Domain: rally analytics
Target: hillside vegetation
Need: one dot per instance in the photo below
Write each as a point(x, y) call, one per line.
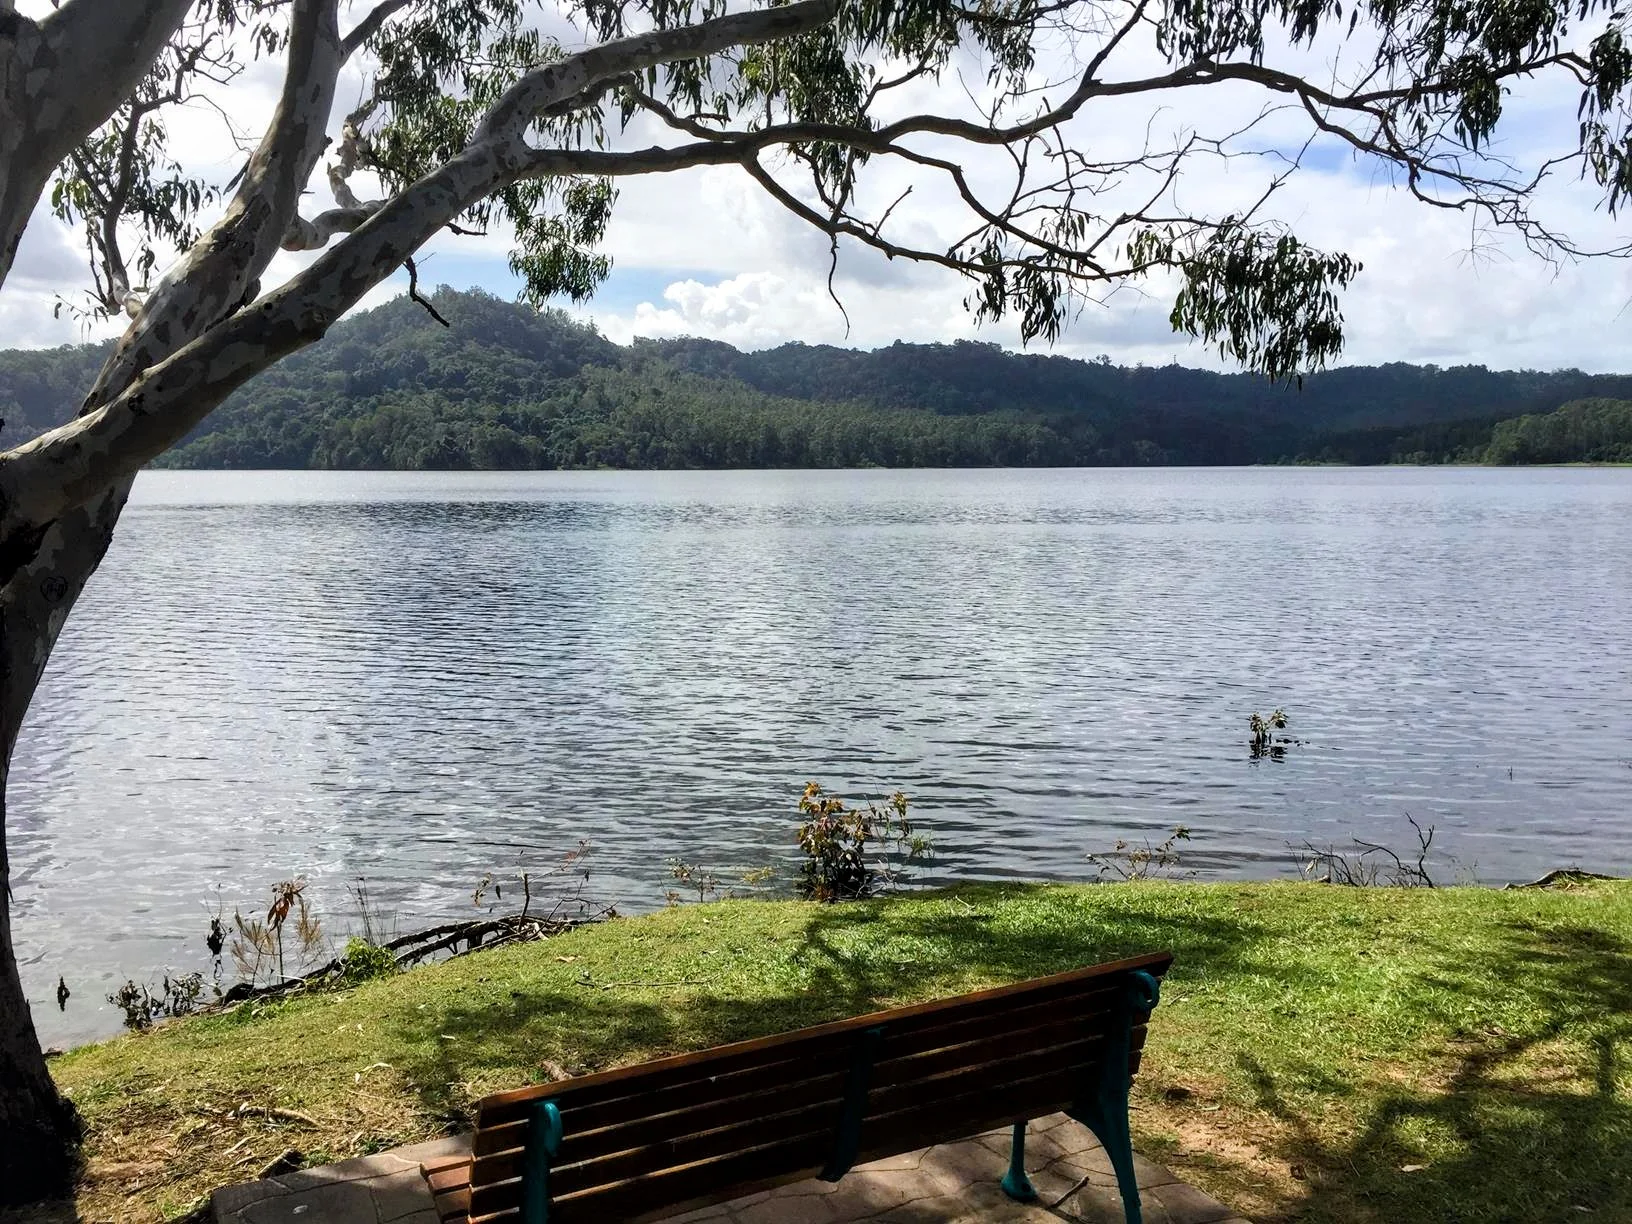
point(506, 387)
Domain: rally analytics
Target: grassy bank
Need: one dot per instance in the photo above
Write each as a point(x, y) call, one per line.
point(1319, 1053)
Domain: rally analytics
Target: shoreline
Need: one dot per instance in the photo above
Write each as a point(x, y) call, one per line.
point(447, 940)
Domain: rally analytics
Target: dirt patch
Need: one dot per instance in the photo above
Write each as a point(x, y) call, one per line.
point(1236, 1154)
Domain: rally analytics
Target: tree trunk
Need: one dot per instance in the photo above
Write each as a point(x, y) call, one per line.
point(39, 1130)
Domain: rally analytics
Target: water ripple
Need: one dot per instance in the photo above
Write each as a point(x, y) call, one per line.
point(418, 678)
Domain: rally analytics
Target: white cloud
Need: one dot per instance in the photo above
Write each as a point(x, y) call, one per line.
point(715, 256)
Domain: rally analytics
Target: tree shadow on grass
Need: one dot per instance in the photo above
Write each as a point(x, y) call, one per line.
point(853, 959)
point(61, 1211)
point(1488, 1126)
point(1532, 1126)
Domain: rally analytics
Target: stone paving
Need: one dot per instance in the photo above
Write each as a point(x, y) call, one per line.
point(954, 1183)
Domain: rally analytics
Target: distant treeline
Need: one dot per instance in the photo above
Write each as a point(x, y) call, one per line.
point(1585, 431)
point(653, 417)
point(506, 387)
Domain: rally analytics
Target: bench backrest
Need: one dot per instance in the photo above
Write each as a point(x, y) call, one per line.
point(679, 1132)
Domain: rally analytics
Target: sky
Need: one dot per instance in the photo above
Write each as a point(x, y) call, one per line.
point(708, 253)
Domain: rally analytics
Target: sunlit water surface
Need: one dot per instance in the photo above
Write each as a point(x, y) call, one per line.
point(418, 678)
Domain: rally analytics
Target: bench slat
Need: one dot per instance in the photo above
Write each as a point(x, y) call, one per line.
point(578, 1147)
point(732, 1074)
point(954, 1029)
point(1034, 1024)
point(944, 1121)
point(1060, 1069)
point(814, 1042)
point(659, 1138)
point(891, 1071)
point(624, 1093)
point(819, 1122)
point(707, 1115)
point(775, 1164)
point(452, 1177)
point(676, 1139)
point(580, 1115)
point(907, 1129)
point(453, 1206)
point(822, 1119)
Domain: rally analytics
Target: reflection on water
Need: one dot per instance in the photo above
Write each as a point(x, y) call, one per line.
point(417, 678)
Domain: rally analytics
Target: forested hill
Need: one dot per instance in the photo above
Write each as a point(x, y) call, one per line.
point(505, 387)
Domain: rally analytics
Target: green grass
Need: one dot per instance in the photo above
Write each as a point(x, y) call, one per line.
point(1320, 1053)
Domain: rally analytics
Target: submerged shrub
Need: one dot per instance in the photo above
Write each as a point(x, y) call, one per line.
point(176, 996)
point(1127, 861)
point(694, 877)
point(854, 852)
point(1264, 742)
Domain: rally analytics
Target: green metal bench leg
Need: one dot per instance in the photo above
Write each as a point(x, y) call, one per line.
point(1110, 1127)
point(543, 1146)
point(847, 1142)
point(1015, 1182)
point(1103, 1109)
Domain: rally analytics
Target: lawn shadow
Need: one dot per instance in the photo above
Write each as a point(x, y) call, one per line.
point(853, 958)
point(59, 1211)
point(1538, 1124)
point(1525, 1125)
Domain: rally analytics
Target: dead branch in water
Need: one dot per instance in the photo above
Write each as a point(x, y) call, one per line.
point(1369, 865)
point(453, 938)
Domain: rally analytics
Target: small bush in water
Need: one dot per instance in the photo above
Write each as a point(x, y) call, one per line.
point(837, 841)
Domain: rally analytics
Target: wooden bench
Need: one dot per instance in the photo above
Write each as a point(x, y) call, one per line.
point(643, 1142)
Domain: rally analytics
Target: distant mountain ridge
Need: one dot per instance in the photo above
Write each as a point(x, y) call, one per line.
point(507, 387)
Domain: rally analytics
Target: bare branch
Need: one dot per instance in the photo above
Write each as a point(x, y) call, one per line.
point(577, 74)
point(314, 235)
point(370, 25)
point(414, 294)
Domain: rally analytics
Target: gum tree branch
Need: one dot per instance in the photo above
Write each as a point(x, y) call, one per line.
point(68, 466)
point(370, 25)
point(544, 87)
point(217, 274)
point(60, 79)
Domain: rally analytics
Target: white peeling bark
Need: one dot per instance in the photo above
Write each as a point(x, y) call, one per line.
point(76, 462)
point(545, 87)
point(221, 270)
point(44, 569)
point(314, 235)
point(60, 79)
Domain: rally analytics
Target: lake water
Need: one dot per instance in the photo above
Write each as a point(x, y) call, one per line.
point(419, 678)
